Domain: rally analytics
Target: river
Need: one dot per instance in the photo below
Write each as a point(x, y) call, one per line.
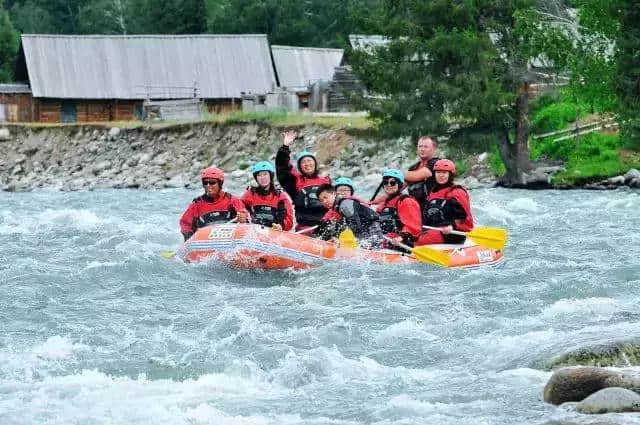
point(97, 328)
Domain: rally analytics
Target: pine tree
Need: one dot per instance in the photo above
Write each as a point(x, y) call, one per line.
point(455, 64)
point(9, 41)
point(628, 72)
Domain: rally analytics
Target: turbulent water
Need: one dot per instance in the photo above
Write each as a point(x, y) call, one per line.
point(97, 328)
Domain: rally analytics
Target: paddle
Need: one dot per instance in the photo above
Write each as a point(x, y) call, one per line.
point(490, 237)
point(307, 230)
point(348, 240)
point(424, 254)
point(376, 192)
point(170, 254)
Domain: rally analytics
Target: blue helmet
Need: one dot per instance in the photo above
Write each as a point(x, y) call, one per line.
point(395, 173)
point(344, 181)
point(262, 166)
point(305, 154)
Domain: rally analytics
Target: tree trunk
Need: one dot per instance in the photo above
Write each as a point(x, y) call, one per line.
point(516, 155)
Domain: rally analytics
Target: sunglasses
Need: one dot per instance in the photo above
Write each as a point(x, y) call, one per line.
point(210, 182)
point(390, 182)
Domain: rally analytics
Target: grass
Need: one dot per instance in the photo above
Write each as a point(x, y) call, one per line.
point(275, 118)
point(495, 162)
point(284, 119)
point(462, 165)
point(593, 157)
point(556, 111)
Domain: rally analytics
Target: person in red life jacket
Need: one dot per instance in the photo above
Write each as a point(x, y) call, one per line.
point(268, 206)
point(214, 207)
point(348, 212)
point(419, 178)
point(448, 207)
point(400, 217)
point(302, 183)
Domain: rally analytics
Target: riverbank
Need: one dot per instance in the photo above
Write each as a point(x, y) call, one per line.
point(87, 157)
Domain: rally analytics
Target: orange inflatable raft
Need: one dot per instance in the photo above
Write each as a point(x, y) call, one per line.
point(251, 246)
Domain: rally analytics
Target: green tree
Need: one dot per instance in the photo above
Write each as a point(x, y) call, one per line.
point(105, 17)
point(455, 63)
point(31, 18)
point(292, 22)
point(9, 41)
point(628, 71)
point(168, 16)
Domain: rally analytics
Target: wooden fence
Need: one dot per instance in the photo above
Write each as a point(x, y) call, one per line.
point(578, 130)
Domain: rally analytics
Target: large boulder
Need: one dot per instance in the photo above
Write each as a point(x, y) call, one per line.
point(614, 354)
point(576, 384)
point(610, 400)
point(631, 175)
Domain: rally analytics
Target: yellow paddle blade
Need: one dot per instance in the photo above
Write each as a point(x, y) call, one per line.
point(425, 254)
point(348, 240)
point(490, 237)
point(167, 254)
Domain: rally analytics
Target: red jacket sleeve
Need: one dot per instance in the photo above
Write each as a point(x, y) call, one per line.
point(238, 205)
point(289, 218)
point(410, 216)
point(246, 198)
point(188, 219)
point(462, 196)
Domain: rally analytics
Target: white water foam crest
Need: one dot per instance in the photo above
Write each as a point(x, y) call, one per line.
point(231, 325)
point(495, 212)
point(92, 395)
point(523, 204)
point(407, 329)
point(321, 364)
point(595, 309)
point(40, 359)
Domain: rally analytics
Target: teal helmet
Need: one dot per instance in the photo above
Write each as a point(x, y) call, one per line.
point(395, 173)
point(262, 166)
point(344, 181)
point(305, 154)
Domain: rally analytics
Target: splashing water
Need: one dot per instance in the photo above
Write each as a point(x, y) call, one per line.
point(97, 328)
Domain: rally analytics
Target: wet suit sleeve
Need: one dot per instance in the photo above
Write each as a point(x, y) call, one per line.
point(461, 210)
point(411, 218)
point(285, 205)
point(188, 221)
point(284, 171)
point(238, 205)
point(246, 199)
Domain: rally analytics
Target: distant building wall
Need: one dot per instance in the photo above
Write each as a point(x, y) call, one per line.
point(71, 110)
point(17, 107)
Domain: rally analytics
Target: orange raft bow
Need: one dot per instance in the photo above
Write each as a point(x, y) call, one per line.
point(250, 246)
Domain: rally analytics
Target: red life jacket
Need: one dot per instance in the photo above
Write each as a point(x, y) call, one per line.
point(309, 210)
point(440, 211)
point(389, 218)
point(267, 209)
point(203, 211)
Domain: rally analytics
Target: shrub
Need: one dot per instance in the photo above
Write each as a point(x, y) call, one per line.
point(554, 117)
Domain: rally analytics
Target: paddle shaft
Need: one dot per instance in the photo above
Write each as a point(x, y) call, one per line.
point(307, 230)
point(400, 244)
point(453, 232)
point(376, 192)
